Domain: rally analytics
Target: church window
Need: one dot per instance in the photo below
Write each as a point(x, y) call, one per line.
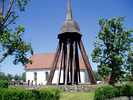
point(46, 73)
point(35, 76)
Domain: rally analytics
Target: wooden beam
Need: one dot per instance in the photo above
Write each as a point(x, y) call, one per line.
point(87, 63)
point(61, 63)
point(54, 65)
point(67, 63)
point(73, 63)
point(77, 62)
point(64, 62)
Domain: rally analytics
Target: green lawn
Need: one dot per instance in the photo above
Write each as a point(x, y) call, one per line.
point(77, 96)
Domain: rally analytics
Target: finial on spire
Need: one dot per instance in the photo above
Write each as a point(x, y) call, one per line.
point(69, 10)
point(70, 25)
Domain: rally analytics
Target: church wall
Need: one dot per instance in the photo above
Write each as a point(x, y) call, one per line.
point(41, 77)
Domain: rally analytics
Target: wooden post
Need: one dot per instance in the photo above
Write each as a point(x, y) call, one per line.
point(73, 63)
point(61, 62)
point(54, 65)
point(67, 64)
point(87, 63)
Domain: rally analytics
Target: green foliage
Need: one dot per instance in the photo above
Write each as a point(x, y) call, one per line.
point(22, 4)
point(4, 84)
point(97, 76)
point(23, 94)
point(9, 77)
point(107, 92)
point(15, 94)
point(11, 40)
point(50, 94)
point(111, 48)
point(130, 66)
point(16, 77)
point(3, 76)
point(20, 77)
point(23, 77)
point(15, 46)
point(126, 90)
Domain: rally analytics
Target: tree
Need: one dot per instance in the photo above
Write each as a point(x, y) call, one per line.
point(3, 76)
point(97, 76)
point(23, 77)
point(17, 77)
point(130, 65)
point(111, 49)
point(11, 40)
point(10, 77)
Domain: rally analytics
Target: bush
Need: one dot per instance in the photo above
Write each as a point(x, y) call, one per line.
point(102, 93)
point(23, 94)
point(3, 84)
point(15, 94)
point(126, 90)
point(107, 92)
point(50, 94)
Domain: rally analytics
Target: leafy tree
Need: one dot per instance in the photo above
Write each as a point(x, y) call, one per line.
point(3, 76)
point(11, 40)
point(23, 76)
point(10, 77)
point(17, 77)
point(111, 49)
point(97, 76)
point(130, 66)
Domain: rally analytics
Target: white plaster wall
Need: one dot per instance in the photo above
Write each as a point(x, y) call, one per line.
point(82, 75)
point(56, 77)
point(41, 76)
point(29, 76)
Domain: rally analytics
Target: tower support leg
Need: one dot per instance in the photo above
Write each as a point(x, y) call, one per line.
point(87, 63)
point(54, 65)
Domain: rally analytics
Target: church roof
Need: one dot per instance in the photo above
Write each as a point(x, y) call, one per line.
point(44, 61)
point(70, 25)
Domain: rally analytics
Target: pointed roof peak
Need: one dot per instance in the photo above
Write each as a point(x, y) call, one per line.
point(70, 25)
point(69, 11)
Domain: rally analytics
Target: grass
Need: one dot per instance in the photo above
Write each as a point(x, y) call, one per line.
point(77, 96)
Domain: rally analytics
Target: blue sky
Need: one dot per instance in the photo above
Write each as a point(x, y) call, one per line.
point(43, 20)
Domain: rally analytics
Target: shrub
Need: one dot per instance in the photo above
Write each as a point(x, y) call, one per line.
point(23, 94)
point(102, 93)
point(50, 94)
point(15, 94)
point(3, 84)
point(126, 90)
point(107, 92)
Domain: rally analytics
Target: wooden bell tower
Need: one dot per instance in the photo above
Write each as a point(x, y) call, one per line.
point(68, 51)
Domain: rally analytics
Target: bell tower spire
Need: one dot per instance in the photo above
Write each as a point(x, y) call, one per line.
point(69, 11)
point(67, 55)
point(70, 25)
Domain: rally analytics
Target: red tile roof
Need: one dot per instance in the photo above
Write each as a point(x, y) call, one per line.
point(44, 61)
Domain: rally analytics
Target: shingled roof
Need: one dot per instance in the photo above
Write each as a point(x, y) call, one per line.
point(44, 61)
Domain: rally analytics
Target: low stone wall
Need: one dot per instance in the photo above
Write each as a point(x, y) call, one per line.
point(78, 88)
point(67, 88)
point(122, 98)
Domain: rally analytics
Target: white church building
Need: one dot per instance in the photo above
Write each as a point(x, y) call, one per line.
point(37, 72)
